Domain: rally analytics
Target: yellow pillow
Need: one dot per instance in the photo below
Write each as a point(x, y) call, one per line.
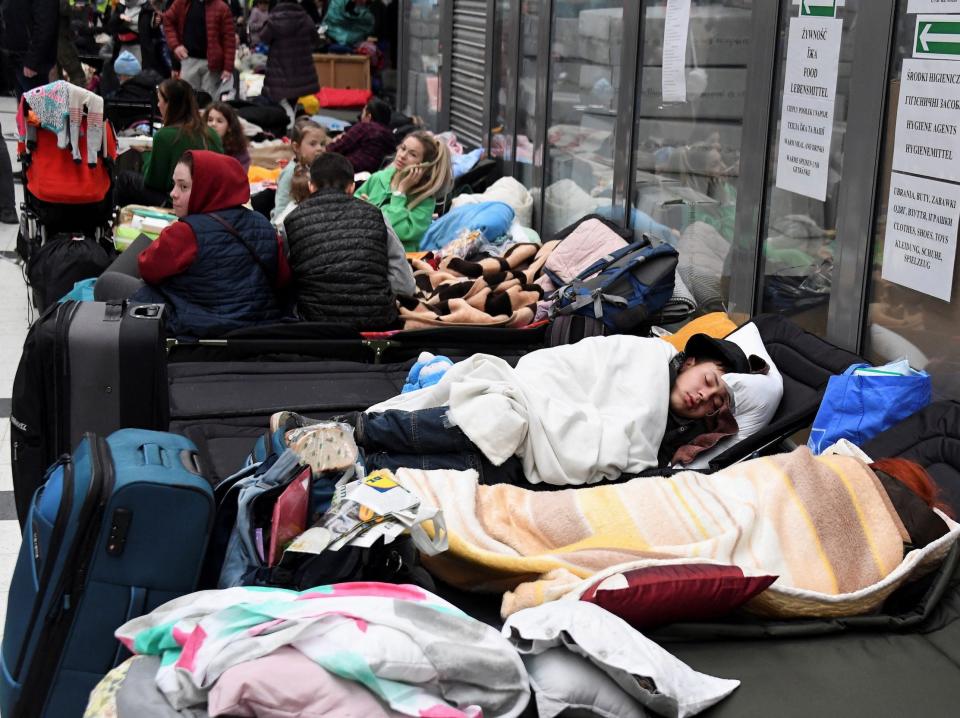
point(715, 324)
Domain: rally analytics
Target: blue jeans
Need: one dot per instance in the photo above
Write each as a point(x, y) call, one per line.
point(425, 439)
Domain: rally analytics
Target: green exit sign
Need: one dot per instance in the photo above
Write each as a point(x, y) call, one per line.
point(937, 36)
point(818, 8)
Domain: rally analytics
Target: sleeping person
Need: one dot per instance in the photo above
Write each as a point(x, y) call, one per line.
point(572, 414)
point(835, 533)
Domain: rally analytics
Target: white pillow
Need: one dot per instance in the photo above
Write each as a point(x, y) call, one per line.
point(755, 396)
point(570, 684)
point(645, 671)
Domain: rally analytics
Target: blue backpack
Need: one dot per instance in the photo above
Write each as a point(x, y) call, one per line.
point(624, 289)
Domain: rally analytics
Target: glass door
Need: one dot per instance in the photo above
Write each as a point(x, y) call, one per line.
point(799, 229)
point(914, 291)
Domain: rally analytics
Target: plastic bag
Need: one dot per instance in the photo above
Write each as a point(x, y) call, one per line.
point(857, 408)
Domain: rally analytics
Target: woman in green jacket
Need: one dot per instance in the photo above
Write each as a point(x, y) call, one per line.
point(406, 191)
point(183, 129)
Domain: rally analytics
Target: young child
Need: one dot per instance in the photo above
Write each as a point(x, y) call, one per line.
point(299, 191)
point(338, 252)
point(226, 123)
point(258, 18)
point(216, 269)
point(406, 191)
point(308, 139)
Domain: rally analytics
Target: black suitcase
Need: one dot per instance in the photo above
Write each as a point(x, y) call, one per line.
point(309, 341)
point(86, 366)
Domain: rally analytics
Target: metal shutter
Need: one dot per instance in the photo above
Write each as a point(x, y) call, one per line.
point(468, 52)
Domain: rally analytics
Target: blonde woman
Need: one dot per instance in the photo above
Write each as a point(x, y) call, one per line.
point(406, 191)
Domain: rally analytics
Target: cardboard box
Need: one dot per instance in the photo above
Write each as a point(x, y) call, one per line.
point(343, 71)
point(604, 24)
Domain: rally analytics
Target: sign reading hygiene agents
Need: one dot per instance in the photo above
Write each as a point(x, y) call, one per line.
point(921, 239)
point(806, 121)
point(928, 119)
point(937, 37)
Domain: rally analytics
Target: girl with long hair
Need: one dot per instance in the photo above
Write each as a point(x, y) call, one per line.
point(226, 123)
point(183, 129)
point(407, 190)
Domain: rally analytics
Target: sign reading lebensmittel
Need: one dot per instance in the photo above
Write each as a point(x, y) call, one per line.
point(927, 140)
point(806, 120)
point(921, 238)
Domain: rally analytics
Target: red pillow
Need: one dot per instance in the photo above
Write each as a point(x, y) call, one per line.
point(338, 97)
point(656, 595)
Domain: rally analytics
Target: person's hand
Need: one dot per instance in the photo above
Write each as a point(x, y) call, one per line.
point(29, 72)
point(181, 53)
point(364, 197)
point(408, 183)
point(226, 75)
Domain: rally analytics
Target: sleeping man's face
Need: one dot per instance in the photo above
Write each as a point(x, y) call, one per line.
point(698, 390)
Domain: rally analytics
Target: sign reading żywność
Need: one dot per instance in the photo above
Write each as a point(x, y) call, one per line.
point(928, 119)
point(806, 119)
point(921, 238)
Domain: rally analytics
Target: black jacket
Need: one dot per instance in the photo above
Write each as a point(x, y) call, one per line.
point(290, 70)
point(30, 29)
point(338, 256)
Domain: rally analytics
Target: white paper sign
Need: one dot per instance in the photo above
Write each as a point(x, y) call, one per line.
point(928, 119)
point(921, 239)
point(936, 6)
point(806, 121)
point(676, 28)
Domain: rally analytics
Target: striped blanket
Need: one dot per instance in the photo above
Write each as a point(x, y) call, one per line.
point(824, 525)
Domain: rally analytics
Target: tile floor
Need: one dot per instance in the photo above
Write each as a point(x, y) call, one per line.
point(13, 330)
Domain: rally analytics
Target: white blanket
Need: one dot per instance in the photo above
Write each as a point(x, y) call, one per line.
point(575, 414)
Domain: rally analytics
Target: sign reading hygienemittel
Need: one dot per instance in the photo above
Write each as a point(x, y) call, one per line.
point(806, 120)
point(928, 119)
point(921, 238)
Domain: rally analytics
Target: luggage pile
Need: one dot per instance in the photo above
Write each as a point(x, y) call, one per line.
point(202, 531)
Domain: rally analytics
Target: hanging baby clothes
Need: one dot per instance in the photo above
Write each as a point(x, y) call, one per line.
point(96, 139)
point(59, 108)
point(50, 103)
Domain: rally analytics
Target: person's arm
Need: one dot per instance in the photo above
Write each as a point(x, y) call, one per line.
point(170, 254)
point(409, 224)
point(265, 33)
point(399, 271)
point(284, 183)
point(228, 40)
point(156, 168)
point(171, 19)
point(43, 34)
point(283, 266)
point(348, 141)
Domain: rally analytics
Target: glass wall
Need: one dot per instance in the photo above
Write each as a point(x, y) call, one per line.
point(904, 321)
point(687, 154)
point(423, 57)
point(505, 33)
point(584, 83)
point(527, 106)
point(800, 232)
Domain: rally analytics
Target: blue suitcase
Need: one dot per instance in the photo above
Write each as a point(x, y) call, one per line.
point(117, 529)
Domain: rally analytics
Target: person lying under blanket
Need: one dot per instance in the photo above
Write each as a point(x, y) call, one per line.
point(838, 534)
point(573, 414)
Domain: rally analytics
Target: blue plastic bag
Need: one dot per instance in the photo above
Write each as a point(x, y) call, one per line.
point(857, 408)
